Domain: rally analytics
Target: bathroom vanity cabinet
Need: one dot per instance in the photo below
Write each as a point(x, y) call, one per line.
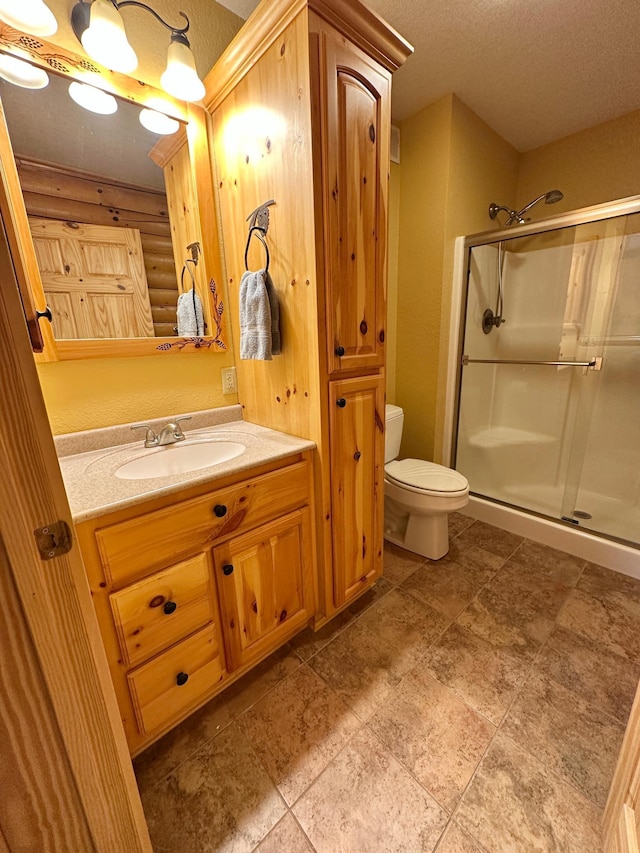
point(193, 589)
point(300, 105)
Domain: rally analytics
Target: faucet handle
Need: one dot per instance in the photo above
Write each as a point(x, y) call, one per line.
point(151, 439)
point(177, 421)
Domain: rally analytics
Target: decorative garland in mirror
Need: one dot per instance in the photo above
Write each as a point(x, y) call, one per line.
point(218, 310)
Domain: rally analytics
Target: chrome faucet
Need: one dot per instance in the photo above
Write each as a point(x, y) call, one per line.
point(169, 434)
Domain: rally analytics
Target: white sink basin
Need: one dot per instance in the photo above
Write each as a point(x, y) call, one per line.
point(180, 458)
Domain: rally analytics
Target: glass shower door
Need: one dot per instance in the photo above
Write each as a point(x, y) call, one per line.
point(540, 390)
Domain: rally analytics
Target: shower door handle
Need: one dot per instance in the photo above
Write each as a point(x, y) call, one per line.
point(594, 364)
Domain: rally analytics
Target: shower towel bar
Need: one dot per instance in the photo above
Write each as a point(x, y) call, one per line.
point(594, 364)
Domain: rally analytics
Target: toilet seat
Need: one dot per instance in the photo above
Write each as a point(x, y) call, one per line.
point(426, 478)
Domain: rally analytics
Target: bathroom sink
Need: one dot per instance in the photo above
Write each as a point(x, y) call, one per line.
point(179, 458)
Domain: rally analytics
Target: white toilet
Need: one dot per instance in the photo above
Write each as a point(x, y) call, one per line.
point(418, 496)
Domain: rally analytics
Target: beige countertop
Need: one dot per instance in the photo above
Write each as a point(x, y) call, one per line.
point(89, 470)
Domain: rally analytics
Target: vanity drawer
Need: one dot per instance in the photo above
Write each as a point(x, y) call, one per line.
point(156, 612)
point(135, 548)
point(159, 689)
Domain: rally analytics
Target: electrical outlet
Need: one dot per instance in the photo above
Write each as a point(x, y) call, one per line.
point(229, 384)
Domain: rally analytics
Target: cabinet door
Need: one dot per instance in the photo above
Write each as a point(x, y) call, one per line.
point(265, 585)
point(356, 149)
point(357, 483)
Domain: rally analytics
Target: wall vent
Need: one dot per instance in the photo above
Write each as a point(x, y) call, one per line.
point(395, 144)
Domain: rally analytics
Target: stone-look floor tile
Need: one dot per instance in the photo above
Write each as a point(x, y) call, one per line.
point(360, 668)
point(448, 587)
point(399, 564)
point(220, 799)
point(434, 734)
point(262, 678)
point(162, 757)
point(307, 643)
point(612, 624)
point(286, 837)
point(542, 559)
point(490, 538)
point(296, 729)
point(485, 676)
point(527, 591)
point(456, 840)
point(370, 597)
point(405, 625)
point(468, 554)
point(600, 582)
point(365, 801)
point(591, 672)
point(571, 737)
point(515, 804)
point(458, 523)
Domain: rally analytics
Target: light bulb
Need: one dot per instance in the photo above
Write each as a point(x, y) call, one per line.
point(181, 78)
point(93, 99)
point(32, 17)
point(105, 39)
point(21, 73)
point(158, 122)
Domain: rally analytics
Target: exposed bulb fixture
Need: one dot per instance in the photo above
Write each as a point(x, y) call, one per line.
point(100, 28)
point(30, 16)
point(93, 99)
point(158, 122)
point(22, 73)
point(181, 78)
point(105, 39)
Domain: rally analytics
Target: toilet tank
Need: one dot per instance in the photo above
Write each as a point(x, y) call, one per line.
point(394, 421)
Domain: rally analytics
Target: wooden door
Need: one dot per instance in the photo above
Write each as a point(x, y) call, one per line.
point(265, 588)
point(622, 814)
point(94, 279)
point(357, 483)
point(356, 145)
point(66, 776)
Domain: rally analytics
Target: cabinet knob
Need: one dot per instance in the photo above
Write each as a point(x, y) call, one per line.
point(227, 569)
point(220, 510)
point(169, 607)
point(181, 678)
point(341, 403)
point(340, 351)
point(46, 314)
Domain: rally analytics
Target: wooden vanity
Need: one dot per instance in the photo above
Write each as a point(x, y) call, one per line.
point(194, 588)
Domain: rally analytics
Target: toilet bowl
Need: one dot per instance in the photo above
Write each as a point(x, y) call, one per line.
point(418, 496)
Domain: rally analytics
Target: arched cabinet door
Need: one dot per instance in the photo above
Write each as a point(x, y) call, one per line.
point(356, 129)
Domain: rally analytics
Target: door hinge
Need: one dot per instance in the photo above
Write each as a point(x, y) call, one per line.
point(54, 540)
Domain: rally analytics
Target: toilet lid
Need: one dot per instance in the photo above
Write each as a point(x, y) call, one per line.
point(429, 476)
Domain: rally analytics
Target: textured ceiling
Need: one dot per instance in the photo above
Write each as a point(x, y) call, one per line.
point(534, 70)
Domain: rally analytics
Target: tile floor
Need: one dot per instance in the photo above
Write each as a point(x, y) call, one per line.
point(472, 705)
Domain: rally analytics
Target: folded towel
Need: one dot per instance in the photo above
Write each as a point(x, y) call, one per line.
point(259, 317)
point(190, 315)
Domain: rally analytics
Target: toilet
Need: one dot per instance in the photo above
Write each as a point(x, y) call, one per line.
point(418, 496)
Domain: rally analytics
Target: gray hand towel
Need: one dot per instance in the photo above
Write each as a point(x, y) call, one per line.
point(190, 315)
point(259, 317)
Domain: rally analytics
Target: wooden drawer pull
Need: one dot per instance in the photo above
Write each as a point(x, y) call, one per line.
point(220, 510)
point(181, 678)
point(170, 607)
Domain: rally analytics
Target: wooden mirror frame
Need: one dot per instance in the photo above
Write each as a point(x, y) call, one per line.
point(186, 160)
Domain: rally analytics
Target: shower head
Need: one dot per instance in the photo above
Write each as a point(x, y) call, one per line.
point(550, 197)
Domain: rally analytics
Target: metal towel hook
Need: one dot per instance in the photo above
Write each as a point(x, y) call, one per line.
point(258, 221)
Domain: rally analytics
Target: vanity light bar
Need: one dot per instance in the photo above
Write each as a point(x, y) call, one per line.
point(30, 16)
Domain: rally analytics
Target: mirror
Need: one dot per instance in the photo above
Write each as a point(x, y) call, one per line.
point(112, 210)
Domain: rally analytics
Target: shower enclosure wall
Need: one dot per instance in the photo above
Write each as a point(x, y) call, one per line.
point(548, 403)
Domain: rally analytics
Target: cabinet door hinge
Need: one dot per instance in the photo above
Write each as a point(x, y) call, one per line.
point(54, 540)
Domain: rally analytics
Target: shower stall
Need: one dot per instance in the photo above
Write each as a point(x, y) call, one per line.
point(546, 403)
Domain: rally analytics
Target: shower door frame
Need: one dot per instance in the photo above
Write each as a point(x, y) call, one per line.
point(461, 272)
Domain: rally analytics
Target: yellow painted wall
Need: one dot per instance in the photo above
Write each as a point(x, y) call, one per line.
point(597, 165)
point(392, 285)
point(453, 165)
point(424, 176)
point(83, 395)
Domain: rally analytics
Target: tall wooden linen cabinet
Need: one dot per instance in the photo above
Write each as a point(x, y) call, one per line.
point(300, 109)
